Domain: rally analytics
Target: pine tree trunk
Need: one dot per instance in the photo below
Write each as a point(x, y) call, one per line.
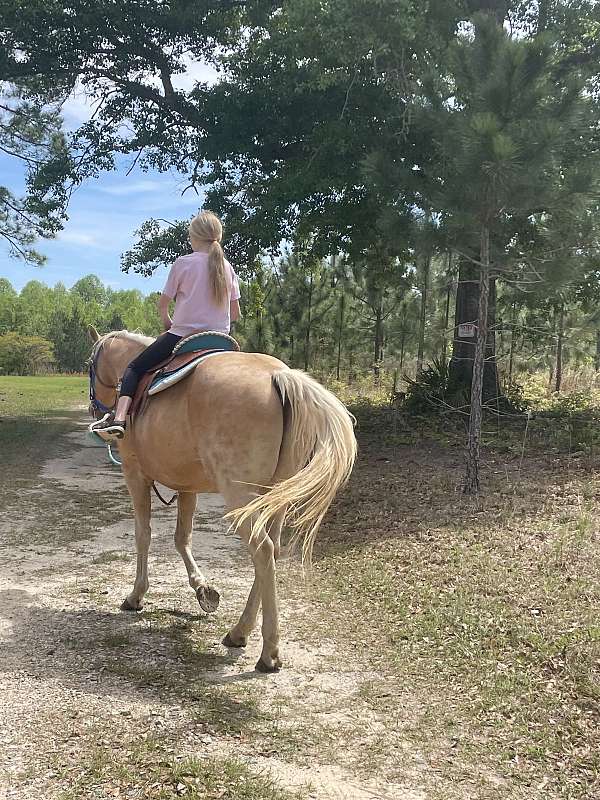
point(340, 330)
point(472, 484)
point(597, 359)
point(260, 331)
point(512, 343)
point(463, 349)
point(423, 312)
point(308, 324)
point(447, 316)
point(402, 341)
point(559, 349)
point(378, 346)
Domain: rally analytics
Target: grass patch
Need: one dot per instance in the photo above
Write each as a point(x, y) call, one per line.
point(116, 640)
point(37, 396)
point(32, 411)
point(151, 770)
point(111, 556)
point(35, 413)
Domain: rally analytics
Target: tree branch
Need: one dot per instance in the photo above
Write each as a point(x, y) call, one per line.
point(27, 159)
point(14, 245)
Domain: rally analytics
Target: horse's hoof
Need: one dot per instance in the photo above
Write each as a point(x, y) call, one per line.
point(262, 667)
point(229, 642)
point(126, 606)
point(208, 598)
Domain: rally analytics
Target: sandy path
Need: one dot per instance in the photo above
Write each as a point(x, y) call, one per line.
point(81, 680)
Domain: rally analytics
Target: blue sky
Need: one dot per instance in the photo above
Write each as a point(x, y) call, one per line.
point(103, 215)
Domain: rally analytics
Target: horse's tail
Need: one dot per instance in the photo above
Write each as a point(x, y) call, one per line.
point(318, 439)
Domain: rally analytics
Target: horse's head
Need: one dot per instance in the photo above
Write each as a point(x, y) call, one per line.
point(110, 355)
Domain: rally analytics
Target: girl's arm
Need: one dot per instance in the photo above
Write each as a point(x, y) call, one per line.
point(234, 310)
point(163, 310)
point(234, 304)
point(168, 293)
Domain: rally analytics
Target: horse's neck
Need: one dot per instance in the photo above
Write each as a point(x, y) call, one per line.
point(121, 353)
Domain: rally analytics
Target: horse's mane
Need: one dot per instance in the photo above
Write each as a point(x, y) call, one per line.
point(133, 336)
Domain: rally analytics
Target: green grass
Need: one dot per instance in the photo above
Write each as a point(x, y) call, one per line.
point(32, 416)
point(487, 620)
point(35, 413)
point(504, 649)
point(38, 396)
point(150, 769)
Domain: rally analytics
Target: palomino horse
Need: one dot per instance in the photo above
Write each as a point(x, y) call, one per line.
point(271, 440)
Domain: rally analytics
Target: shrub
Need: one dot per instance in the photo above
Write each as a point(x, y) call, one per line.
point(25, 355)
point(430, 391)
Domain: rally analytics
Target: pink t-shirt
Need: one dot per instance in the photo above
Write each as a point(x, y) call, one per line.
point(195, 310)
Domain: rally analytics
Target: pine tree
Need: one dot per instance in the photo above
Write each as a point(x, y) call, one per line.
point(504, 136)
point(30, 133)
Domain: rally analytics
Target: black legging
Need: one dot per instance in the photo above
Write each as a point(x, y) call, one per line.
point(148, 358)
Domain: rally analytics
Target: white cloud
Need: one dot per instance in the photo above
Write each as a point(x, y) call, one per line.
point(133, 187)
point(77, 109)
point(195, 71)
point(78, 237)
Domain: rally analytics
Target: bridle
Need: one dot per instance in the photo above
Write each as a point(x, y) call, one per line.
point(96, 407)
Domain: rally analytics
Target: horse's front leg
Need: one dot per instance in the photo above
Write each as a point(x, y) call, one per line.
point(238, 635)
point(139, 490)
point(208, 597)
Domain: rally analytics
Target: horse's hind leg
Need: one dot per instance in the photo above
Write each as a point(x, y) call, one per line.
point(264, 589)
point(208, 597)
point(275, 532)
point(238, 635)
point(139, 489)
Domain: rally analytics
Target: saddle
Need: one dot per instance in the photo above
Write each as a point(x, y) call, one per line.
point(184, 359)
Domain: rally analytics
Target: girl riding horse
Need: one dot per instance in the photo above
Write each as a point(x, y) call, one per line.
point(206, 293)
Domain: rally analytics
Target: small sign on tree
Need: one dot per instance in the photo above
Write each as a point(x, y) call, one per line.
point(467, 330)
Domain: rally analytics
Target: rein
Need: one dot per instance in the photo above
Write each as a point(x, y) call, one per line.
point(161, 498)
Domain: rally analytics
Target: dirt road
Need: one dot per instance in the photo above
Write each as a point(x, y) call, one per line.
point(97, 703)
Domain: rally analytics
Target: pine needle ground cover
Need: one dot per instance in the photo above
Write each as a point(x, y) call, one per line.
point(487, 620)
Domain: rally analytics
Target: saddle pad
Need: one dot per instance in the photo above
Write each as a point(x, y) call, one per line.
point(170, 378)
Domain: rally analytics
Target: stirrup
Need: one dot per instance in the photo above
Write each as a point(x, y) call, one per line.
point(108, 429)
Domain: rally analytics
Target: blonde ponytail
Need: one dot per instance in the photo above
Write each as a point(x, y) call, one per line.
point(206, 227)
point(218, 277)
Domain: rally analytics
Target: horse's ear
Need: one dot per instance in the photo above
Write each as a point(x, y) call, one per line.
point(93, 334)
